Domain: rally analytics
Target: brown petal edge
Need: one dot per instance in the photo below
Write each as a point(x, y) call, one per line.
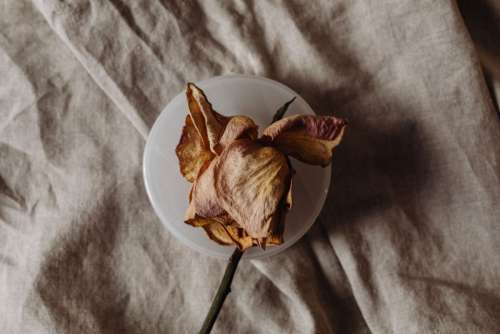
point(308, 138)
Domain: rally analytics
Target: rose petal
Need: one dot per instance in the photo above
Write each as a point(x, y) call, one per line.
point(204, 197)
point(250, 181)
point(238, 127)
point(209, 123)
point(228, 235)
point(289, 197)
point(310, 139)
point(218, 233)
point(239, 236)
point(198, 221)
point(275, 236)
point(193, 219)
point(210, 211)
point(206, 133)
point(277, 228)
point(191, 152)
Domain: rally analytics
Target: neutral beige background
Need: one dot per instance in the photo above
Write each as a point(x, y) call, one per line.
point(408, 241)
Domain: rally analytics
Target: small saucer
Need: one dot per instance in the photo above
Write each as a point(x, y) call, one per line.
point(257, 98)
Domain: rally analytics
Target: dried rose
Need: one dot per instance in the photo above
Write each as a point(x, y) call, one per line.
point(242, 183)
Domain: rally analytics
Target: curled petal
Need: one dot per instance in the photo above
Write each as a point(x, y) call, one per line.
point(228, 235)
point(238, 127)
point(277, 228)
point(198, 221)
point(191, 151)
point(275, 240)
point(308, 138)
point(208, 122)
point(218, 233)
point(289, 197)
point(206, 133)
point(250, 182)
point(203, 209)
point(239, 236)
point(275, 236)
point(193, 219)
point(204, 197)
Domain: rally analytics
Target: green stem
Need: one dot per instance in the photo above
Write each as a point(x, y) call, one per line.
point(222, 292)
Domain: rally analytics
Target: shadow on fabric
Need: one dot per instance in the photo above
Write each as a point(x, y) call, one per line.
point(482, 18)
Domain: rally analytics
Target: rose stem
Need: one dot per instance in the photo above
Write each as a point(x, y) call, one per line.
point(222, 292)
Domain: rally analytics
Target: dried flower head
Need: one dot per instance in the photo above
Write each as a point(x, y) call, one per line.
point(242, 183)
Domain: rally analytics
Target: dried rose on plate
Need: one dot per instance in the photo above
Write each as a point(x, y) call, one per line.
point(242, 182)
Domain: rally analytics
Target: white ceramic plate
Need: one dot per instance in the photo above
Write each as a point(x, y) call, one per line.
point(168, 191)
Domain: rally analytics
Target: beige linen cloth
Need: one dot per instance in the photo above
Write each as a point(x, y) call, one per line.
point(408, 242)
